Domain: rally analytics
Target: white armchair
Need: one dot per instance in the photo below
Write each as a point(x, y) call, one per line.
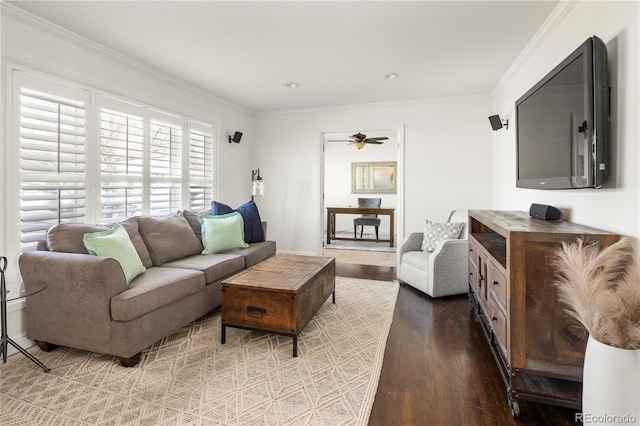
point(442, 272)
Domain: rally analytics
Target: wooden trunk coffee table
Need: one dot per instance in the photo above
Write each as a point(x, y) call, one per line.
point(279, 295)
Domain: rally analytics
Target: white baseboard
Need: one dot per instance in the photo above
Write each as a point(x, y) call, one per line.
point(301, 253)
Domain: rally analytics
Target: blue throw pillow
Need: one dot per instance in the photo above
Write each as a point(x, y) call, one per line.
point(253, 231)
point(218, 209)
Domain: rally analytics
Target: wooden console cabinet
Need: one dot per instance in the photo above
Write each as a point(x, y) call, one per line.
point(539, 349)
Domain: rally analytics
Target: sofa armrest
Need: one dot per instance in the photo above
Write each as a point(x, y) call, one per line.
point(78, 293)
point(413, 242)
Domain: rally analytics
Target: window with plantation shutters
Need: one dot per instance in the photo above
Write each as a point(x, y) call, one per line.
point(53, 134)
point(76, 155)
point(121, 165)
point(200, 167)
point(165, 166)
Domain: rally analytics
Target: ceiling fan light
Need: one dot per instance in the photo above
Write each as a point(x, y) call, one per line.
point(359, 145)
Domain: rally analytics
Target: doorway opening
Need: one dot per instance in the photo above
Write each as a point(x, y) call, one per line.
point(352, 170)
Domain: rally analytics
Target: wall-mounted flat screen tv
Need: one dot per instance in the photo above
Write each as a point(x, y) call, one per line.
point(563, 124)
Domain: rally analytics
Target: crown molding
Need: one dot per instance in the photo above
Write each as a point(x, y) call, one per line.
point(369, 105)
point(14, 12)
point(548, 26)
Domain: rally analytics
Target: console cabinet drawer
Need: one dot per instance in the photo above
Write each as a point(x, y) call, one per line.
point(474, 251)
point(473, 276)
point(497, 283)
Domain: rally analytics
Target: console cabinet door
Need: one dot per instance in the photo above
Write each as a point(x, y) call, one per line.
point(498, 324)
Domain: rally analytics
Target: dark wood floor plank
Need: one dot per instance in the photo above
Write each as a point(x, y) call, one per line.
point(438, 369)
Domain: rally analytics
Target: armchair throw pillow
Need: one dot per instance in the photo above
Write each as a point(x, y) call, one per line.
point(435, 232)
point(116, 244)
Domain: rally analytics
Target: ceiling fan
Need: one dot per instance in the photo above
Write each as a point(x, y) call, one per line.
point(360, 140)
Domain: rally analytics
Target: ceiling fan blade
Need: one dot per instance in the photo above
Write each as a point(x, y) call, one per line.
point(373, 142)
point(379, 138)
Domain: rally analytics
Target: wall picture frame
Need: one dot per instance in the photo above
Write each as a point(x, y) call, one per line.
point(374, 177)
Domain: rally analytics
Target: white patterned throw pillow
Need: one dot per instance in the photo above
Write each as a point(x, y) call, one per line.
point(436, 232)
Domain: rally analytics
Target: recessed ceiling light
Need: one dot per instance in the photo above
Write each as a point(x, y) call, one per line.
point(391, 75)
point(291, 84)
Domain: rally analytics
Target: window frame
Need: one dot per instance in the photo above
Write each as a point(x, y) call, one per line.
point(10, 181)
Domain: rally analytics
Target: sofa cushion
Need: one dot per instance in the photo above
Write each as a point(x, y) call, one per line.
point(417, 259)
point(192, 218)
point(168, 237)
point(67, 237)
point(116, 244)
point(131, 225)
point(435, 232)
point(222, 233)
point(257, 252)
point(156, 288)
point(214, 266)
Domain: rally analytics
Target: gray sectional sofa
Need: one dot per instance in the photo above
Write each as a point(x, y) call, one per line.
point(88, 303)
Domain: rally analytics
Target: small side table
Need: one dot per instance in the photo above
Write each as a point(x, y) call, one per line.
point(4, 298)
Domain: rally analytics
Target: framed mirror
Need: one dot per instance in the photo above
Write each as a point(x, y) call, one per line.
point(373, 177)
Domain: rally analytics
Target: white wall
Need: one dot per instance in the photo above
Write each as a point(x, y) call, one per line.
point(446, 156)
point(616, 207)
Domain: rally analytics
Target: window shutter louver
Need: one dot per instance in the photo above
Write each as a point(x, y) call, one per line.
point(200, 169)
point(121, 165)
point(121, 143)
point(165, 167)
point(52, 162)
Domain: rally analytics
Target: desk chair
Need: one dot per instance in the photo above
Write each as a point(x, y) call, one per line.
point(367, 219)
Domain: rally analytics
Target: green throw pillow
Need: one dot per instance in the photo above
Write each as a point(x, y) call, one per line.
point(222, 233)
point(115, 243)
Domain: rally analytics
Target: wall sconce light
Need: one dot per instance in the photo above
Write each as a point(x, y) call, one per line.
point(257, 184)
point(236, 137)
point(497, 122)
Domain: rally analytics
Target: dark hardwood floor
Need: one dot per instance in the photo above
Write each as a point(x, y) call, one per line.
point(438, 369)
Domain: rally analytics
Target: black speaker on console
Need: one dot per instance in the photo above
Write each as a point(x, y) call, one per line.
point(545, 212)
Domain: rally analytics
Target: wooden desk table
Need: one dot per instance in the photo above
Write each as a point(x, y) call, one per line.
point(331, 221)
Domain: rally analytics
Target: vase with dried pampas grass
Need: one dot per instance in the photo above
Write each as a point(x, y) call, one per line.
point(601, 289)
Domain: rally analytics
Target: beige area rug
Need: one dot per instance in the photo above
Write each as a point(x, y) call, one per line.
point(189, 378)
